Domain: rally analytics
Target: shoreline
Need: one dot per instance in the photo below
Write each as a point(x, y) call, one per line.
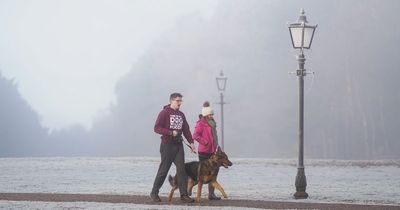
point(142, 199)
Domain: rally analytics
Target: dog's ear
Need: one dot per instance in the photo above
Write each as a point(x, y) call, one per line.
point(219, 151)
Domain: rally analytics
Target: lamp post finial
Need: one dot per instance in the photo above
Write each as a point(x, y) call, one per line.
point(302, 17)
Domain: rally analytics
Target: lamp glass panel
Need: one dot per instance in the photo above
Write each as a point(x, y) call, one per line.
point(221, 82)
point(308, 35)
point(296, 33)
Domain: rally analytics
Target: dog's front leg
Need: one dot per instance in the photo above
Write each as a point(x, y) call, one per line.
point(190, 186)
point(199, 187)
point(215, 184)
point(171, 193)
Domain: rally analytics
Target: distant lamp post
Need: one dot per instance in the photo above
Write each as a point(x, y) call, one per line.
point(221, 85)
point(302, 36)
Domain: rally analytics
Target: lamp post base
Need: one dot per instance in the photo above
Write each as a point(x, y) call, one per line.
point(300, 195)
point(301, 183)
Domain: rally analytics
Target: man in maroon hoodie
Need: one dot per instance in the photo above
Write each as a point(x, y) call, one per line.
point(171, 124)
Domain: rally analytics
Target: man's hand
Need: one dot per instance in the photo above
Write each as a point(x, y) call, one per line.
point(193, 147)
point(174, 133)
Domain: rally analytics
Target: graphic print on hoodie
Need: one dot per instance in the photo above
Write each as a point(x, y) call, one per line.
point(175, 122)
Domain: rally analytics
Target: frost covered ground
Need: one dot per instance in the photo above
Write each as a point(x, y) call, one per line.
point(363, 182)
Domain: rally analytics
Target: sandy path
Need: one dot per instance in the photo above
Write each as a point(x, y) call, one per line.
point(141, 199)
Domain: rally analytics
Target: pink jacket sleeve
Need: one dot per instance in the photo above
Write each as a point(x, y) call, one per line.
point(197, 135)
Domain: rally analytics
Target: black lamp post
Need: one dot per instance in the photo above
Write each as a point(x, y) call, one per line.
point(301, 35)
point(221, 85)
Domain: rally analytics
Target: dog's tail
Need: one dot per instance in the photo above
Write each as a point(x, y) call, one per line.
point(171, 180)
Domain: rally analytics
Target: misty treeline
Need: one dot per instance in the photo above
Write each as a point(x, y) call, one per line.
point(351, 103)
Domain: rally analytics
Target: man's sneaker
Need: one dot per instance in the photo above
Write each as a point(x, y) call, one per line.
point(186, 199)
point(155, 197)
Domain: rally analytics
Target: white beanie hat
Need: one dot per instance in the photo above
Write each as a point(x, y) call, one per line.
point(206, 110)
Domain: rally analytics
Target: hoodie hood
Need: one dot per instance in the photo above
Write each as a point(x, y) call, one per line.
point(168, 106)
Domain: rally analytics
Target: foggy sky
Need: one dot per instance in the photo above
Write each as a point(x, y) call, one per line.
point(350, 103)
point(67, 56)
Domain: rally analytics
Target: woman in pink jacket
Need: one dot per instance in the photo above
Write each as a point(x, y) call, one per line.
point(205, 133)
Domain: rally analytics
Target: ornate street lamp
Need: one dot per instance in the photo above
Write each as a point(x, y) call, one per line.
point(302, 35)
point(221, 85)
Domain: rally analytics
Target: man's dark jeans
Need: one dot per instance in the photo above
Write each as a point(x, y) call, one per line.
point(171, 153)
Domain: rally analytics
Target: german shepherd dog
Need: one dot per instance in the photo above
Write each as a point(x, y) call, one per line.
point(203, 172)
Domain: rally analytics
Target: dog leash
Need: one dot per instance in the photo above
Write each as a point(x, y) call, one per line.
point(189, 147)
point(186, 145)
